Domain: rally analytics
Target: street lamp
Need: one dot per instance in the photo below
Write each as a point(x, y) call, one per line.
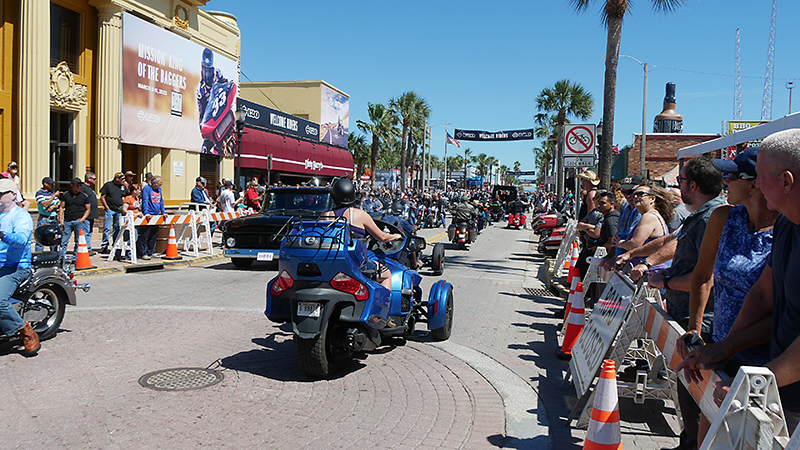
point(241, 117)
point(642, 143)
point(790, 86)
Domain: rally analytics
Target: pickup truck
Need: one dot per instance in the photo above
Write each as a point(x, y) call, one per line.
point(254, 238)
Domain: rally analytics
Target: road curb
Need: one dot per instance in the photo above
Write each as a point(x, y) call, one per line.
point(159, 265)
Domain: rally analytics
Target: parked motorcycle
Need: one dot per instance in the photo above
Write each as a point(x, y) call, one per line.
point(42, 299)
point(326, 287)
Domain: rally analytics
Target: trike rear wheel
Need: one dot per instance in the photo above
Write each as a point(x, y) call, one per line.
point(316, 357)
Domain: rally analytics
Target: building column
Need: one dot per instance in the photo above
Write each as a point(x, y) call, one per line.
point(150, 160)
point(109, 76)
point(34, 94)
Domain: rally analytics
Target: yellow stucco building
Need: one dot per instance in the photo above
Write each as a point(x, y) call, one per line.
point(79, 79)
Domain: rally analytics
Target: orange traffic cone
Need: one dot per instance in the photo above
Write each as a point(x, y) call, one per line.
point(82, 261)
point(575, 323)
point(172, 245)
point(603, 432)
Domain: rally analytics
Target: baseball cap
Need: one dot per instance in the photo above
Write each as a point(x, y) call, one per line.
point(119, 175)
point(48, 180)
point(228, 183)
point(77, 180)
point(630, 182)
point(133, 174)
point(743, 164)
point(12, 164)
point(8, 185)
point(200, 179)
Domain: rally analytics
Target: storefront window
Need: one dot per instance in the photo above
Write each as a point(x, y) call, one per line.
point(65, 36)
point(62, 148)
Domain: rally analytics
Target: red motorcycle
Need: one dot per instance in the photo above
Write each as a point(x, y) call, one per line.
point(516, 220)
point(550, 229)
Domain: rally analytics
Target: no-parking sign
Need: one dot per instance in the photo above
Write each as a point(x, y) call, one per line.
point(579, 140)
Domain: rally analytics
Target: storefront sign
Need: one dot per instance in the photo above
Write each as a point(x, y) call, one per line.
point(263, 117)
point(478, 135)
point(175, 93)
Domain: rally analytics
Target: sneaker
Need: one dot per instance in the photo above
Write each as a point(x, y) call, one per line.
point(92, 252)
point(146, 257)
point(105, 251)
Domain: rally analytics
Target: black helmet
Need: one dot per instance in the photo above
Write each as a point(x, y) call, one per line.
point(48, 235)
point(343, 192)
point(397, 208)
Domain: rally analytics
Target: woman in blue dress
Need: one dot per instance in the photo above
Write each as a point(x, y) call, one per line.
point(736, 244)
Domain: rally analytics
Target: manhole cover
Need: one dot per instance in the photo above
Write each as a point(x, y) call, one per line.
point(540, 292)
point(181, 379)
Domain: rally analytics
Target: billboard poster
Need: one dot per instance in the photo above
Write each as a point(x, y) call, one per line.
point(176, 93)
point(334, 117)
point(732, 126)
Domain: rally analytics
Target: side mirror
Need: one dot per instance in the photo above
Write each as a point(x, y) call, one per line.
point(419, 243)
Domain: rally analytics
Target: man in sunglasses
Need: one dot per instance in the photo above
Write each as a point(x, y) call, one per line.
point(16, 227)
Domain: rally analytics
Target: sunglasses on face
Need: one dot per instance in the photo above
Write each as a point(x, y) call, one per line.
point(641, 194)
point(6, 192)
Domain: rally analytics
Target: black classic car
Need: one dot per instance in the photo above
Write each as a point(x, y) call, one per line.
point(254, 238)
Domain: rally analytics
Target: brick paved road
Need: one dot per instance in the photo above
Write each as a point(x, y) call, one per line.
point(82, 390)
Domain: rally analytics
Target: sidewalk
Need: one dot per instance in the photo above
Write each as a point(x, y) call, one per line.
point(101, 265)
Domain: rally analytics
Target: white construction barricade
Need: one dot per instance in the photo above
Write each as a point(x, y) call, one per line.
point(565, 250)
point(192, 220)
point(629, 321)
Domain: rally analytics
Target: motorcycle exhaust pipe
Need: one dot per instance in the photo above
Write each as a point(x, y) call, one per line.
point(84, 287)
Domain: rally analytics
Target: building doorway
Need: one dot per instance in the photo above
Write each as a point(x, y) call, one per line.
point(62, 148)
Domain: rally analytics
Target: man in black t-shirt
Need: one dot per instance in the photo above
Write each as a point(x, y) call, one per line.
point(90, 179)
point(73, 211)
point(111, 195)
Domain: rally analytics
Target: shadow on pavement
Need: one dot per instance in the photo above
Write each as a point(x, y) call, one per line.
point(277, 360)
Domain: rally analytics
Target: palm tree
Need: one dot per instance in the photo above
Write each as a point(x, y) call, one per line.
point(453, 162)
point(411, 111)
point(547, 130)
point(565, 98)
point(516, 166)
point(611, 15)
point(468, 158)
point(358, 147)
point(381, 127)
point(482, 160)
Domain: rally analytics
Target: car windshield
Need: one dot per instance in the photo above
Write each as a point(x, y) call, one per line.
point(294, 200)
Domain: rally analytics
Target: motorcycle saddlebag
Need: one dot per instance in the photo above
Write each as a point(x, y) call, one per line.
point(451, 232)
point(473, 234)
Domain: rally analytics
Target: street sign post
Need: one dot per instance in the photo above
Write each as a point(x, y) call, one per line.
point(578, 161)
point(579, 140)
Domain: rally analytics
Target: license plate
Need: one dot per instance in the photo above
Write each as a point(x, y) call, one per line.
point(309, 309)
point(265, 256)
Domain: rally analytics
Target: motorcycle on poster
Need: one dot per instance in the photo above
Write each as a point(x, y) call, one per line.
point(175, 93)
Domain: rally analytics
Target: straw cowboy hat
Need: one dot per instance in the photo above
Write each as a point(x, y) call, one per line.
point(590, 176)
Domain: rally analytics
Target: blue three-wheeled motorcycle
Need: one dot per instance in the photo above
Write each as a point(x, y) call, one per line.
point(326, 287)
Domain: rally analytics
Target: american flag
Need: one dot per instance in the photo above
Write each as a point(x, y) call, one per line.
point(451, 140)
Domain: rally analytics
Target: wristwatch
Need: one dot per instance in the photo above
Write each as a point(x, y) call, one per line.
point(647, 263)
point(666, 281)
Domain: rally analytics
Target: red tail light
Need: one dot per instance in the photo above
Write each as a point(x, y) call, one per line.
point(282, 283)
point(345, 283)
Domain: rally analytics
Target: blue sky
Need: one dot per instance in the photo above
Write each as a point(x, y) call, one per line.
point(481, 65)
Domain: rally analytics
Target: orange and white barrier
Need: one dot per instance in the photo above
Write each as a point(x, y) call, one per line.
point(190, 222)
point(575, 322)
point(604, 432)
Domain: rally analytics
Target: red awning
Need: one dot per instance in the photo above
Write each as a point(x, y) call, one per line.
point(293, 155)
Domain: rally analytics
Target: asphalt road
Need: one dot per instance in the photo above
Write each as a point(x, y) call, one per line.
point(495, 383)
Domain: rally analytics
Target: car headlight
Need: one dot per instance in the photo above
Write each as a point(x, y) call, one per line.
point(230, 242)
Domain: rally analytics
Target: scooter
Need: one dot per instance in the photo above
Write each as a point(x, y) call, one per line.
point(326, 287)
point(42, 299)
